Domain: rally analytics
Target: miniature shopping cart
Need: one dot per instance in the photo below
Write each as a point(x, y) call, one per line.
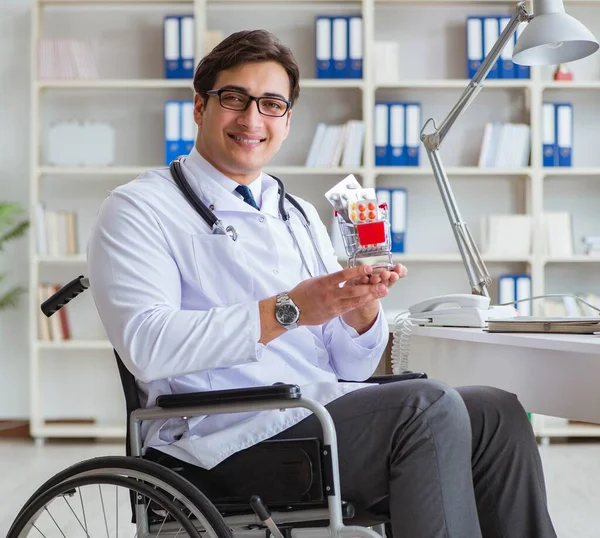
point(369, 239)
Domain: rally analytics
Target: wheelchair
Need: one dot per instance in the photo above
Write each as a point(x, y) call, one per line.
point(294, 494)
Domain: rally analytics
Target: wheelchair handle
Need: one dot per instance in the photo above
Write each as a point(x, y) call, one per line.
point(64, 295)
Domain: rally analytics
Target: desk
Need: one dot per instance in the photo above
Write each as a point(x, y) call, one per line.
point(552, 374)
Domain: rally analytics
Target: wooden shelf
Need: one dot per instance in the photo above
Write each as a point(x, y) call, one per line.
point(568, 171)
point(451, 171)
point(578, 258)
point(95, 171)
point(115, 84)
point(74, 258)
point(137, 170)
point(444, 84)
point(449, 258)
point(75, 345)
point(77, 430)
point(570, 85)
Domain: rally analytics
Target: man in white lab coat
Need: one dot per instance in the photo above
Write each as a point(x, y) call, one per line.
point(188, 310)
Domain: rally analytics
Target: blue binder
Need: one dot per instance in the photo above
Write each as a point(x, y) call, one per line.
point(397, 138)
point(399, 207)
point(339, 51)
point(549, 153)
point(187, 44)
point(188, 127)
point(382, 133)
point(564, 133)
point(522, 71)
point(413, 130)
point(491, 28)
point(173, 138)
point(507, 67)
point(355, 47)
point(507, 292)
point(171, 46)
point(515, 287)
point(323, 46)
point(474, 45)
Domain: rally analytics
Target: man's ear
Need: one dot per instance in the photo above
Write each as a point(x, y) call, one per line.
point(199, 109)
point(288, 121)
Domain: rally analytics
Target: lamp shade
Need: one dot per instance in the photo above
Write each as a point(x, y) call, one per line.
point(553, 37)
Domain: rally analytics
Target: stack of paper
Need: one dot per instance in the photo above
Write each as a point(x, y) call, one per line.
point(66, 59)
point(337, 145)
point(530, 324)
point(558, 234)
point(505, 145)
point(506, 235)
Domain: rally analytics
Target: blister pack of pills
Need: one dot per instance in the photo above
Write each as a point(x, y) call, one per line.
point(353, 202)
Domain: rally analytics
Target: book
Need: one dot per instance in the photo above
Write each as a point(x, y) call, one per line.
point(532, 324)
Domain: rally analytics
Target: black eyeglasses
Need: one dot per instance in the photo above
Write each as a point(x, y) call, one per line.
point(240, 101)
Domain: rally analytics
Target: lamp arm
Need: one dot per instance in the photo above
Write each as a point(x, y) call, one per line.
point(476, 83)
point(479, 277)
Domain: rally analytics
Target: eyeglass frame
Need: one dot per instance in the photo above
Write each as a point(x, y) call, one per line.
point(251, 98)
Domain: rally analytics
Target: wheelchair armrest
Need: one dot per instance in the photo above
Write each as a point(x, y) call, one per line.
point(391, 378)
point(215, 397)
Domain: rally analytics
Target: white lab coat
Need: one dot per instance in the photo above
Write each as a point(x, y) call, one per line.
point(180, 305)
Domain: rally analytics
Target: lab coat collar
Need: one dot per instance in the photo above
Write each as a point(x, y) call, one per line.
point(216, 189)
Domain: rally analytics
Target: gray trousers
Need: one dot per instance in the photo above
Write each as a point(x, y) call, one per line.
point(440, 462)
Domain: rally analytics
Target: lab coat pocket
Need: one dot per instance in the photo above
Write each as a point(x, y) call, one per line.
point(221, 269)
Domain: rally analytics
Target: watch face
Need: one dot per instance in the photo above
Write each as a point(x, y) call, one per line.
point(287, 314)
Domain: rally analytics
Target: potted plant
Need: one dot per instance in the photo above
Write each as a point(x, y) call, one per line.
point(12, 226)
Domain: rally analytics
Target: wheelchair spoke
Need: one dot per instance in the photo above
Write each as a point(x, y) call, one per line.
point(83, 511)
point(39, 531)
point(54, 520)
point(160, 510)
point(103, 510)
point(117, 511)
point(74, 514)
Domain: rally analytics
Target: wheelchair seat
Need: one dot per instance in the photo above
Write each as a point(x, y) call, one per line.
point(286, 474)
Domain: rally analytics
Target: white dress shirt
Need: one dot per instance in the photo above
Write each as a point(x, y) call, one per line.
point(180, 305)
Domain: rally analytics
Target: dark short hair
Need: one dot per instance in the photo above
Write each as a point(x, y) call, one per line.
point(245, 47)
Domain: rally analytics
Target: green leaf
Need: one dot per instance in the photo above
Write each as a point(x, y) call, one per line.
point(14, 233)
point(11, 298)
point(9, 213)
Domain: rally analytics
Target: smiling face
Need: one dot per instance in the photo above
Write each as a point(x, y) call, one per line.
point(240, 143)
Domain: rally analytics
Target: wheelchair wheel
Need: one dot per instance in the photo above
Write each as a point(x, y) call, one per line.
point(178, 490)
point(100, 505)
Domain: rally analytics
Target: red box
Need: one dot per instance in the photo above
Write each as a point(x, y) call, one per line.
point(371, 233)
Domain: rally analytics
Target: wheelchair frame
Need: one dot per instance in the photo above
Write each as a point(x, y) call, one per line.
point(249, 525)
point(330, 450)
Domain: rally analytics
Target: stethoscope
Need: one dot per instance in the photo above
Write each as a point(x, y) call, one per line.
point(217, 226)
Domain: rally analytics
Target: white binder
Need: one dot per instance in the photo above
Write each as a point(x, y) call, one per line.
point(340, 47)
point(397, 129)
point(187, 44)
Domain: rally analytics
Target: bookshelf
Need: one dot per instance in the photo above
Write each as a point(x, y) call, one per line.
point(431, 75)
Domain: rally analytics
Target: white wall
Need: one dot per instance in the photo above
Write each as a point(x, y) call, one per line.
point(14, 186)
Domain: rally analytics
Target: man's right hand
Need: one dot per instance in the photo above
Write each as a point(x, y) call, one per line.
point(321, 298)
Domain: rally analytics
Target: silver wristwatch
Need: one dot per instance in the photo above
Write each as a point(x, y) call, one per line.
point(286, 311)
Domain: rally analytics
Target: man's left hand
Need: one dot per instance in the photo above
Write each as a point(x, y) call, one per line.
point(363, 318)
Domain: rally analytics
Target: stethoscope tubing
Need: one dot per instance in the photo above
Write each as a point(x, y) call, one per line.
point(217, 226)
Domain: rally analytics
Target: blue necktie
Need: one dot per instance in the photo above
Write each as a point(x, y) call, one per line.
point(247, 194)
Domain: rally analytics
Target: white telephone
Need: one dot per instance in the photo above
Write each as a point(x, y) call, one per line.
point(456, 310)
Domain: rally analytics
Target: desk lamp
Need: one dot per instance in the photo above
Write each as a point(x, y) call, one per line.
point(551, 37)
